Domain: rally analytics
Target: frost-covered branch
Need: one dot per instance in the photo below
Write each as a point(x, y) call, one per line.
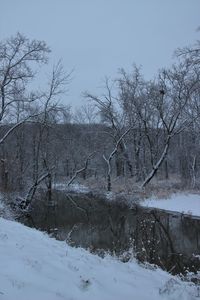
point(77, 172)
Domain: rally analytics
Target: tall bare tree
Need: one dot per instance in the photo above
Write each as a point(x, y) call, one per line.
point(18, 58)
point(161, 108)
point(111, 115)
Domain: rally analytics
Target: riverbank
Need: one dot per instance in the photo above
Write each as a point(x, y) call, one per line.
point(34, 266)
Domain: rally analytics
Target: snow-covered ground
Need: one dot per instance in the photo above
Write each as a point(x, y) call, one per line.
point(35, 266)
point(74, 187)
point(184, 203)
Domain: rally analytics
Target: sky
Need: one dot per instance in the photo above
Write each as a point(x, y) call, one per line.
point(97, 37)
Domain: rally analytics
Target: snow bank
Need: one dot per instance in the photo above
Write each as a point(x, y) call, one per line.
point(74, 187)
point(184, 203)
point(34, 266)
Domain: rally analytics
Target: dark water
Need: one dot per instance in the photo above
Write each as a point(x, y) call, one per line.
point(170, 240)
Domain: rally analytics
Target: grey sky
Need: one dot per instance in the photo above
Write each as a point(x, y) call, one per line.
point(96, 37)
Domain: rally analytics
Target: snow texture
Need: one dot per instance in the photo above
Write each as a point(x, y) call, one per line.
point(74, 187)
point(4, 209)
point(35, 266)
point(183, 203)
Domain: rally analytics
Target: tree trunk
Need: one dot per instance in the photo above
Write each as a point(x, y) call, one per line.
point(119, 165)
point(109, 183)
point(157, 165)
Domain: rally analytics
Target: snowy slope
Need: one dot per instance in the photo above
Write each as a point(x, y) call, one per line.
point(34, 266)
point(184, 203)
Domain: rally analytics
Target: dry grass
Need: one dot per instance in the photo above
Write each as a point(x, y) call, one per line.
point(122, 185)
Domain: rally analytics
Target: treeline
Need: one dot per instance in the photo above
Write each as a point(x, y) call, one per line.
point(62, 149)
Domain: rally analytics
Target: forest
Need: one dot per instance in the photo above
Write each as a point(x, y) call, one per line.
point(136, 134)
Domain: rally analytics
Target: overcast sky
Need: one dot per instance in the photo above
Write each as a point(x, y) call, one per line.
point(97, 37)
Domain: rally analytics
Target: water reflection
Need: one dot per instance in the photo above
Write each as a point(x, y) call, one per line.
point(169, 240)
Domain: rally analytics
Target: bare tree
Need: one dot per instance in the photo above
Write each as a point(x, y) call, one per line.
point(171, 105)
point(109, 159)
point(111, 115)
point(17, 58)
point(81, 170)
point(160, 108)
point(131, 91)
point(191, 54)
point(26, 202)
point(86, 114)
